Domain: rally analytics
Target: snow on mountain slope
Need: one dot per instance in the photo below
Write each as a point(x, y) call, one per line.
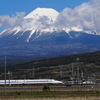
point(40, 18)
point(41, 21)
point(40, 12)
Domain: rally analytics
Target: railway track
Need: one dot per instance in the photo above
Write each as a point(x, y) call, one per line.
point(27, 88)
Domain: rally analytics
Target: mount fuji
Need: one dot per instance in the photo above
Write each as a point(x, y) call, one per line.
point(39, 35)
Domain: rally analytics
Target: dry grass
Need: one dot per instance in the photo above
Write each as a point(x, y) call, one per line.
point(69, 98)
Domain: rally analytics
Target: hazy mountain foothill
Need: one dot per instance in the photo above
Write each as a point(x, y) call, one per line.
point(59, 68)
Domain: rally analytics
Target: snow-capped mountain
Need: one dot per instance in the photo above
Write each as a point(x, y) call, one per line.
point(40, 35)
point(50, 13)
point(41, 18)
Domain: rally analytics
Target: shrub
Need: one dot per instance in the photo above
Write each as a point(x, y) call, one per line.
point(46, 88)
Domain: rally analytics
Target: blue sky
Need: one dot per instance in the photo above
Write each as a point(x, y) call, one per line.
point(10, 7)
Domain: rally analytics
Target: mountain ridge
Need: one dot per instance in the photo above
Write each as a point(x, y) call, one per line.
point(42, 37)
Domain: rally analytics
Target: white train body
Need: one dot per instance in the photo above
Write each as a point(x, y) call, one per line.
point(30, 81)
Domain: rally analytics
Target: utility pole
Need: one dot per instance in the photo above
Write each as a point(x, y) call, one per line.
point(60, 71)
point(82, 75)
point(78, 74)
point(9, 73)
point(72, 71)
point(33, 72)
point(5, 72)
point(77, 59)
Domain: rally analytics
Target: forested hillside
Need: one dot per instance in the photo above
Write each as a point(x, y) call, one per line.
point(57, 68)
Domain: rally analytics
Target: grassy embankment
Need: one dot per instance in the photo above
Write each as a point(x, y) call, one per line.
point(51, 94)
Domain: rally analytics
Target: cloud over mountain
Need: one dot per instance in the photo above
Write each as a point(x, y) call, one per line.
point(86, 17)
point(7, 21)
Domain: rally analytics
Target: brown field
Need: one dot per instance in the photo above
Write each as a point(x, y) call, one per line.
point(69, 98)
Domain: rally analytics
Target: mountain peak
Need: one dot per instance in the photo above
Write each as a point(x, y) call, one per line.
point(39, 12)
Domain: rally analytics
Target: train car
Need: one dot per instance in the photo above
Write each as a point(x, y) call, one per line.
point(68, 83)
point(31, 81)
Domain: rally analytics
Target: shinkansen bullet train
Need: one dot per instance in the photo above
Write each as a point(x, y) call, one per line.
point(30, 81)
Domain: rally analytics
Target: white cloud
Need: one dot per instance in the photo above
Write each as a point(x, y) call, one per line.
point(30, 23)
point(7, 21)
point(85, 16)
